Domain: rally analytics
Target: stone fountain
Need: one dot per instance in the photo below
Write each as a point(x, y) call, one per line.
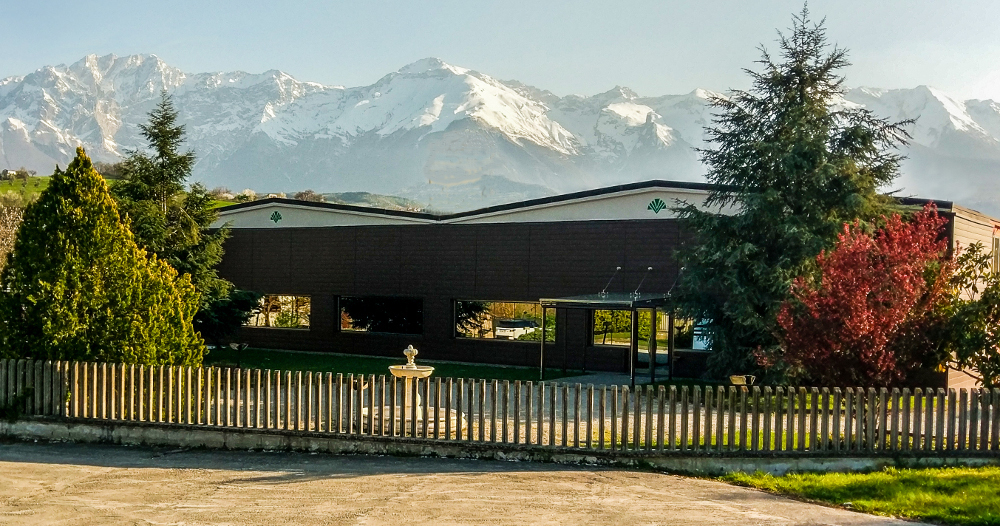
point(408, 372)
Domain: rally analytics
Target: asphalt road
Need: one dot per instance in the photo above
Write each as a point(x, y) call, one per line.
point(71, 484)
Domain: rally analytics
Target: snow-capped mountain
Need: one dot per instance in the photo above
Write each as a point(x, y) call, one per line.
point(441, 134)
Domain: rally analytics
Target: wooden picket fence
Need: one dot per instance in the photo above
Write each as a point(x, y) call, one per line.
point(730, 420)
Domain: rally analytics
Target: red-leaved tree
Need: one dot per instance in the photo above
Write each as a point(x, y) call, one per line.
point(867, 316)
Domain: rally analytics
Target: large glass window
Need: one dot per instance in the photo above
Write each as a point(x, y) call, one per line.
point(283, 312)
point(614, 327)
point(382, 314)
point(503, 320)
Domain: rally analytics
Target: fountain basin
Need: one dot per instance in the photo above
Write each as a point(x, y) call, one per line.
point(409, 372)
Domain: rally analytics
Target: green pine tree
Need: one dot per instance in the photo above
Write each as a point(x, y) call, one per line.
point(176, 224)
point(793, 165)
point(77, 287)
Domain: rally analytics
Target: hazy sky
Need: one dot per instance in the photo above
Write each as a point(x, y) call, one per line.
point(582, 46)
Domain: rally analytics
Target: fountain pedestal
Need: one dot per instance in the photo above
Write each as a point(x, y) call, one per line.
point(408, 373)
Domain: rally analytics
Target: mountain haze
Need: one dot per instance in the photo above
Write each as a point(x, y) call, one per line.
point(444, 135)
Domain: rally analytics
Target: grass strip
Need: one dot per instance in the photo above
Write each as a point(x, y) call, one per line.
point(967, 496)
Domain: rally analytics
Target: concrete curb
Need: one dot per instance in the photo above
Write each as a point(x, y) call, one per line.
point(210, 437)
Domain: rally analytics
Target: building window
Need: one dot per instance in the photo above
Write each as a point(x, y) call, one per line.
point(390, 314)
point(614, 327)
point(282, 312)
point(503, 320)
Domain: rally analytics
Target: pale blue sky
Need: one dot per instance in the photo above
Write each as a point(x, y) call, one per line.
point(653, 46)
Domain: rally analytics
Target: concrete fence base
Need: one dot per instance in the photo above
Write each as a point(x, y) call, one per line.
point(210, 437)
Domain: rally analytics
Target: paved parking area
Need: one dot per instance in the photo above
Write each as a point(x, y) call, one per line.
point(71, 484)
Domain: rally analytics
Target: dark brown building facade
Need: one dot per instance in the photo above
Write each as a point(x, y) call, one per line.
point(568, 245)
point(548, 248)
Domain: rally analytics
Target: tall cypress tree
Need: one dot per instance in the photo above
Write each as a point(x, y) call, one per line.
point(176, 224)
point(77, 287)
point(792, 164)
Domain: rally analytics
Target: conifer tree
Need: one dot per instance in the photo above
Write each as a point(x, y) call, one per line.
point(78, 288)
point(792, 167)
point(176, 224)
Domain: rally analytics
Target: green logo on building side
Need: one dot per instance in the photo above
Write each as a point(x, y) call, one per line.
point(276, 216)
point(656, 205)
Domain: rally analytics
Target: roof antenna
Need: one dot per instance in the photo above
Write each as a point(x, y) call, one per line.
point(636, 292)
point(604, 292)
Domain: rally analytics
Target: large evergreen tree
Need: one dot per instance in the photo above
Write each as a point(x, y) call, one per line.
point(793, 164)
point(77, 287)
point(176, 224)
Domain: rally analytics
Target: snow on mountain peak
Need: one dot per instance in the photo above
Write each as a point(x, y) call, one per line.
point(435, 130)
point(430, 64)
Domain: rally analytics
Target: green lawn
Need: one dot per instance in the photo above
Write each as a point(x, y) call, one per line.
point(33, 186)
point(219, 203)
point(344, 363)
point(960, 496)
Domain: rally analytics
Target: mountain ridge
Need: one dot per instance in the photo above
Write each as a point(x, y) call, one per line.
point(449, 136)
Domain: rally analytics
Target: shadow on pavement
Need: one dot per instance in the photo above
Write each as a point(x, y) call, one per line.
point(288, 466)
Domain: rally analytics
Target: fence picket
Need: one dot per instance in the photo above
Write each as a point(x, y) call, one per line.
point(928, 433)
point(951, 420)
point(755, 422)
point(3, 382)
point(564, 415)
point(906, 403)
point(672, 419)
point(553, 387)
point(940, 416)
point(504, 408)
point(528, 415)
point(768, 416)
point(577, 409)
point(995, 410)
point(614, 418)
point(660, 400)
point(684, 418)
point(590, 417)
point(649, 419)
point(648, 424)
point(973, 420)
point(963, 419)
point(742, 441)
point(894, 417)
point(984, 419)
point(602, 409)
point(709, 396)
point(624, 431)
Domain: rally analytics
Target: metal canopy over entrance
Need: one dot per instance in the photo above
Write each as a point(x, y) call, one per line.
point(632, 302)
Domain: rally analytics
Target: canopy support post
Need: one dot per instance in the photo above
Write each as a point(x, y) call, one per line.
point(652, 345)
point(541, 349)
point(670, 344)
point(634, 346)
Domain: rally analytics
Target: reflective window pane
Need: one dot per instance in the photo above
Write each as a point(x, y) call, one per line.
point(282, 312)
point(503, 320)
point(389, 314)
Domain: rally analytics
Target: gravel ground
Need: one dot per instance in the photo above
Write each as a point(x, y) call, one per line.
point(90, 484)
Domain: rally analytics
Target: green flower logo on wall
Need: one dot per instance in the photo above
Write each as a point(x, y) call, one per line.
point(656, 205)
point(276, 216)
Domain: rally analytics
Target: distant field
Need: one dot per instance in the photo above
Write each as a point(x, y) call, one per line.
point(218, 203)
point(33, 186)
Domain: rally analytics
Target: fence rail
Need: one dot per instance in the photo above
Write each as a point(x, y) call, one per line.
point(683, 420)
